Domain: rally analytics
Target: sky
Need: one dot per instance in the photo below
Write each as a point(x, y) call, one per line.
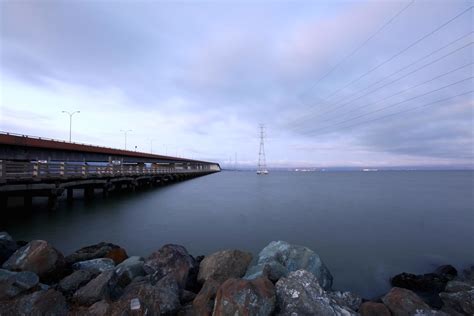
point(336, 83)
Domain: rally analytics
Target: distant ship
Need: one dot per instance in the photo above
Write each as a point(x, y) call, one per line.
point(370, 169)
point(262, 172)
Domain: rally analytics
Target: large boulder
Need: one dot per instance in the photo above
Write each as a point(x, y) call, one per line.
point(173, 260)
point(40, 257)
point(14, 283)
point(95, 265)
point(7, 247)
point(104, 286)
point(44, 302)
point(144, 298)
point(301, 294)
point(203, 303)
point(468, 276)
point(402, 302)
point(100, 308)
point(373, 309)
point(100, 250)
point(223, 265)
point(279, 258)
point(245, 297)
point(459, 296)
point(74, 281)
point(427, 286)
point(347, 299)
point(130, 269)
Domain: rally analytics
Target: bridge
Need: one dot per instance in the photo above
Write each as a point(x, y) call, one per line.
point(34, 166)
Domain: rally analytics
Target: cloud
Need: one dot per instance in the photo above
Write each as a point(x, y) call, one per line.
point(208, 73)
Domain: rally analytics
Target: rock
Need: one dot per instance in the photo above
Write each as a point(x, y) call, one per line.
point(279, 258)
point(130, 269)
point(74, 281)
point(457, 286)
point(300, 294)
point(468, 276)
point(223, 265)
point(272, 270)
point(404, 302)
point(100, 250)
point(168, 294)
point(447, 271)
point(118, 255)
point(95, 265)
point(101, 287)
point(139, 298)
point(459, 296)
point(5, 236)
point(171, 259)
point(163, 297)
point(427, 286)
point(187, 310)
point(39, 257)
point(347, 299)
point(373, 309)
point(429, 282)
point(14, 283)
point(99, 308)
point(203, 304)
point(245, 297)
point(48, 302)
point(7, 247)
point(187, 297)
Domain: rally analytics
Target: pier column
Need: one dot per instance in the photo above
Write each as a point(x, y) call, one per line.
point(105, 190)
point(52, 201)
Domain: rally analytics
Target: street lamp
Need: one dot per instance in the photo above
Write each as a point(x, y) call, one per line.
point(151, 145)
point(70, 121)
point(125, 134)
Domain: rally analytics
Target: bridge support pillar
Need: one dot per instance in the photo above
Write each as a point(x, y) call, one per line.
point(105, 191)
point(52, 201)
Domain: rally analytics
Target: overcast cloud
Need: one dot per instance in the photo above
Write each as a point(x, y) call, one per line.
point(196, 78)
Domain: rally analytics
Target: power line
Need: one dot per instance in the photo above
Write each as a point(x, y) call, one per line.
point(339, 106)
point(416, 61)
point(408, 110)
point(363, 43)
point(415, 86)
point(401, 51)
point(394, 104)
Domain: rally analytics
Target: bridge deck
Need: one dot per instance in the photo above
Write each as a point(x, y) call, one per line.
point(34, 166)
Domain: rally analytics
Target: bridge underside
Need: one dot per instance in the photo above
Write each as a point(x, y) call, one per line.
point(55, 190)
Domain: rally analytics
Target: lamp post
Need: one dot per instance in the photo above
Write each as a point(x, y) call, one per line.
point(70, 121)
point(125, 134)
point(151, 145)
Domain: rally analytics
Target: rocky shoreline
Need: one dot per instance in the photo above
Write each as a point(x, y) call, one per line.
point(37, 279)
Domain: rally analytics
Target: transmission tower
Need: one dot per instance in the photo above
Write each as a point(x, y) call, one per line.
point(262, 163)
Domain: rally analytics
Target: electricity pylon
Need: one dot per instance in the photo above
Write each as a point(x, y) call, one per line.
point(262, 163)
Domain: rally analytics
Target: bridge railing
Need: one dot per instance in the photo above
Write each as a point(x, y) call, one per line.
point(17, 170)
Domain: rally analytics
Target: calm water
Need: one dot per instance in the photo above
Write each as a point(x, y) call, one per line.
point(366, 226)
